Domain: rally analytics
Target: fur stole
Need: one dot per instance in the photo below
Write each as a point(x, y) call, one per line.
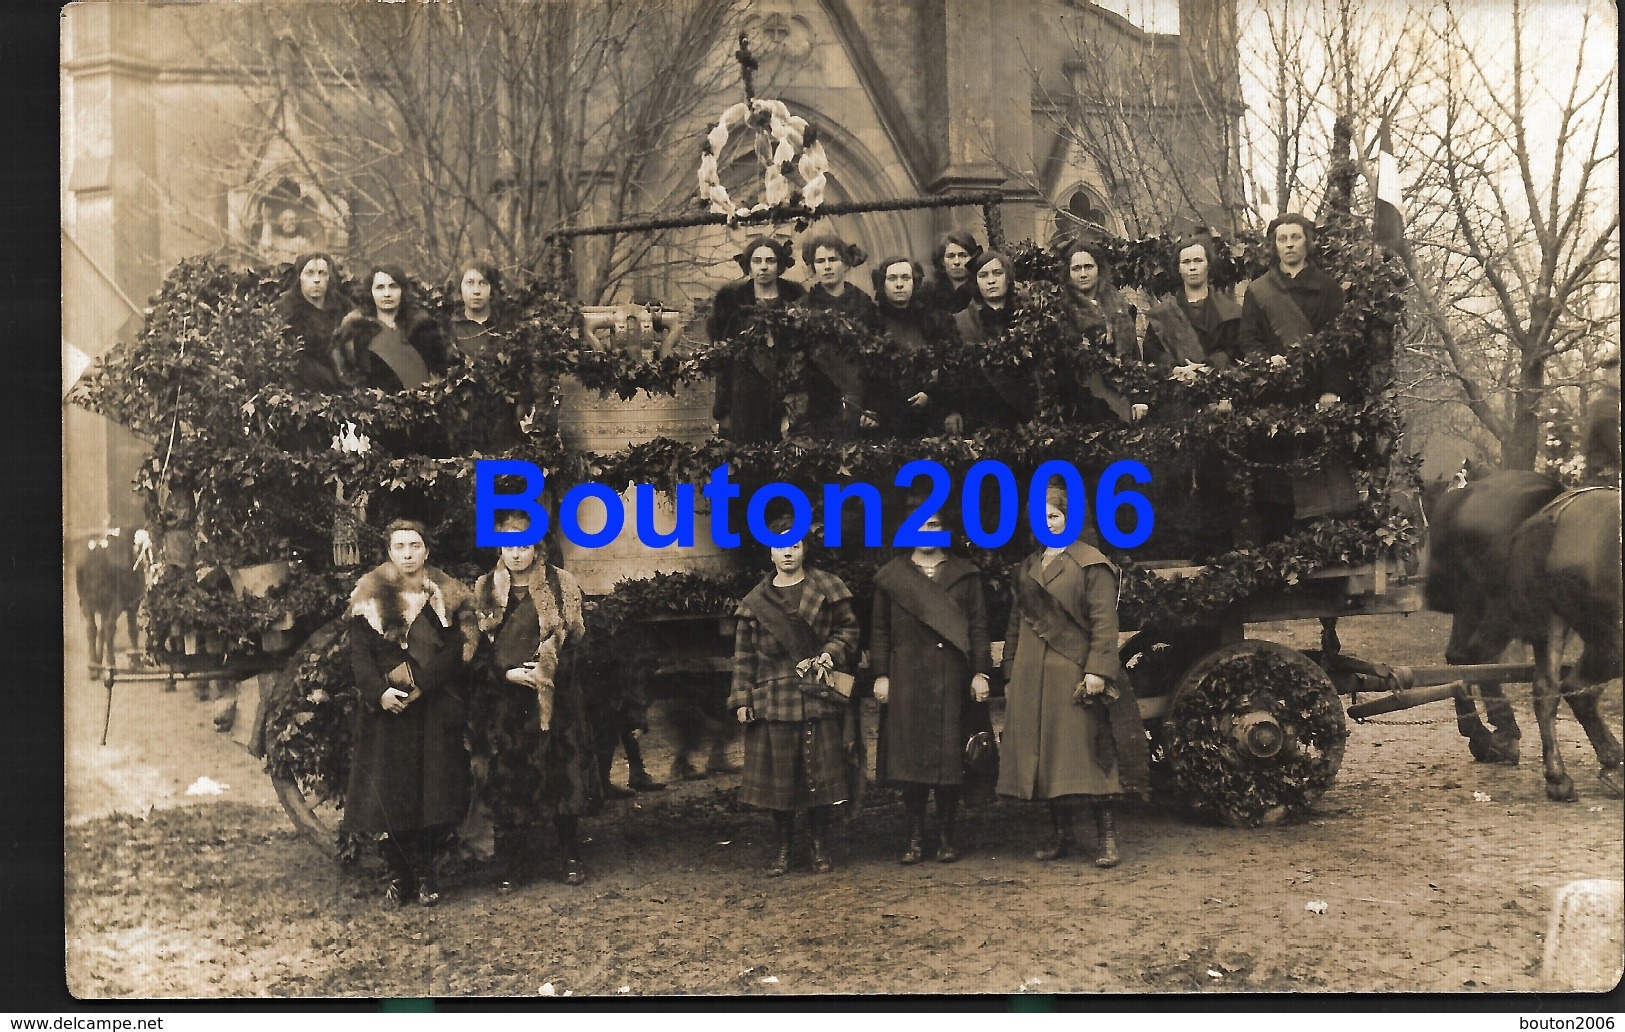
point(379, 600)
point(490, 601)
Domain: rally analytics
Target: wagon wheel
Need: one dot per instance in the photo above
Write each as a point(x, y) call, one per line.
point(1155, 661)
point(280, 686)
point(1254, 734)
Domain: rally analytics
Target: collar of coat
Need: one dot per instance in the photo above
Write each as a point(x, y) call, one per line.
point(1080, 552)
point(820, 587)
point(379, 599)
point(491, 593)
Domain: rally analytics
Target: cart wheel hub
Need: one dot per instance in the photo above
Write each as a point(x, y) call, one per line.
point(1259, 735)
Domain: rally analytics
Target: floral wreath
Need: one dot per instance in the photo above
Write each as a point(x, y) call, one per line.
point(795, 148)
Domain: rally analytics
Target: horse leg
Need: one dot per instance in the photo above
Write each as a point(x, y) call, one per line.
point(1582, 699)
point(1499, 711)
point(1479, 740)
point(1548, 651)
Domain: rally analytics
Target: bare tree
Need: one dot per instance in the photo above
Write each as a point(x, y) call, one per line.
point(482, 125)
point(1515, 255)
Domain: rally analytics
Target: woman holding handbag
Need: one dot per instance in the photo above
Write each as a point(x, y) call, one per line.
point(929, 652)
point(794, 647)
point(533, 749)
point(409, 768)
point(1072, 730)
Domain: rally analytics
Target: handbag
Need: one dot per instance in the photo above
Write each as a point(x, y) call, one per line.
point(981, 758)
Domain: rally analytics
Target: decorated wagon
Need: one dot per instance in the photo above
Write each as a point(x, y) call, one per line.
point(265, 498)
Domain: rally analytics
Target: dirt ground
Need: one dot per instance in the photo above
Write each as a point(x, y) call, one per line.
point(1437, 874)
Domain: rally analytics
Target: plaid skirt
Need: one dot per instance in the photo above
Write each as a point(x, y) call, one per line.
point(790, 765)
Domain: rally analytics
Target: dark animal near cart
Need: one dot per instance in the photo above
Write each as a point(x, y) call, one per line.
point(1514, 557)
point(108, 585)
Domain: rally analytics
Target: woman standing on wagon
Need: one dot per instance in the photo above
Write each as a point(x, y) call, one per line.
point(928, 650)
point(1072, 730)
point(409, 768)
point(533, 748)
point(795, 637)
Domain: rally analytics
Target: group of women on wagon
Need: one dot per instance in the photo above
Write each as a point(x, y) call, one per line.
point(476, 692)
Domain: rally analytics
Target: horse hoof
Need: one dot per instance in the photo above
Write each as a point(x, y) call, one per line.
point(1561, 791)
point(1613, 779)
point(1506, 750)
point(1483, 748)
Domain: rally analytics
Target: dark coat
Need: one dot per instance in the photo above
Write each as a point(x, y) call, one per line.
point(492, 425)
point(420, 330)
point(1320, 298)
point(408, 770)
point(942, 295)
point(997, 399)
point(921, 331)
point(1107, 323)
point(748, 404)
point(312, 329)
point(1215, 321)
point(929, 636)
point(833, 382)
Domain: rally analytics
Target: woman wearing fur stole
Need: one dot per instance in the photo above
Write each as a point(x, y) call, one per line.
point(409, 769)
point(528, 727)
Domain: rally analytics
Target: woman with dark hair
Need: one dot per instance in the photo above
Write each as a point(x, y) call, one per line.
point(1072, 730)
point(795, 643)
point(493, 423)
point(311, 308)
point(1098, 310)
point(408, 768)
point(533, 757)
point(905, 394)
point(390, 342)
point(834, 405)
point(953, 287)
point(1199, 324)
point(928, 651)
point(989, 399)
point(748, 408)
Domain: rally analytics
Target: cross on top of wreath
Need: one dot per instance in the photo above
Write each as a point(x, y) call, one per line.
point(786, 144)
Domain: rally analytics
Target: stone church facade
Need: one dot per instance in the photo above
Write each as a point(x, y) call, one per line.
point(912, 97)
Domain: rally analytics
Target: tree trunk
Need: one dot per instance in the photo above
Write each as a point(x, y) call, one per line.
point(1518, 451)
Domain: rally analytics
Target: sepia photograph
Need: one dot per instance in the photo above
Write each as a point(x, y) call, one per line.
point(805, 498)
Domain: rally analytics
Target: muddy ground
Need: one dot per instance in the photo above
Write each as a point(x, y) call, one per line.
point(1426, 885)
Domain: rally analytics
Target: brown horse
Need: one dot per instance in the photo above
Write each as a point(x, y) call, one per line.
point(1565, 579)
point(1470, 533)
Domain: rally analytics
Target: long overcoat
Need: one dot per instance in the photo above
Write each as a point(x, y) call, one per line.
point(747, 403)
point(408, 770)
point(929, 636)
point(1052, 746)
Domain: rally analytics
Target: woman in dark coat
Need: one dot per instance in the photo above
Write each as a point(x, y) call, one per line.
point(835, 407)
point(795, 644)
point(981, 398)
point(1199, 324)
point(533, 758)
point(1097, 307)
point(954, 285)
point(493, 424)
point(748, 407)
point(311, 309)
point(1072, 730)
point(928, 651)
point(409, 767)
point(390, 343)
point(906, 396)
